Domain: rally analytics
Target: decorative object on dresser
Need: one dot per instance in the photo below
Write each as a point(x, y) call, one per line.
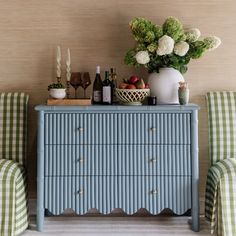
point(97, 87)
point(127, 157)
point(167, 46)
point(152, 100)
point(57, 90)
point(183, 92)
point(75, 81)
point(68, 74)
point(132, 96)
point(69, 102)
point(132, 91)
point(107, 90)
point(85, 82)
point(165, 85)
point(58, 60)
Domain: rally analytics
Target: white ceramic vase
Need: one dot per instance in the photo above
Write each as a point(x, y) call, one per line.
point(57, 93)
point(164, 85)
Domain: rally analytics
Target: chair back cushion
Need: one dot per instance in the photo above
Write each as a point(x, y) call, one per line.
point(13, 126)
point(222, 125)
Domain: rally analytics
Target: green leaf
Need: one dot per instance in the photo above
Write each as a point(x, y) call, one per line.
point(173, 28)
point(130, 58)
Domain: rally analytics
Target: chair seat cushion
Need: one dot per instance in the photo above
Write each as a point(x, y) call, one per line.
point(13, 201)
point(221, 191)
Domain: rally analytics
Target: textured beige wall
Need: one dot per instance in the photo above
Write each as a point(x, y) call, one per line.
point(97, 32)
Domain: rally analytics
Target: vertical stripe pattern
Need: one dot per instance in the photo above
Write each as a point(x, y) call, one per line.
point(129, 193)
point(107, 128)
point(115, 159)
point(62, 160)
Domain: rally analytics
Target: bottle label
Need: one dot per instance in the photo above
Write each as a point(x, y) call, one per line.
point(97, 96)
point(106, 94)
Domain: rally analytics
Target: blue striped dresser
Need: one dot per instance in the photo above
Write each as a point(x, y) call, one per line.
point(127, 157)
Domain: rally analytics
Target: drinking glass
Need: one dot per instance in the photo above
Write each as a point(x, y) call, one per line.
point(75, 81)
point(86, 81)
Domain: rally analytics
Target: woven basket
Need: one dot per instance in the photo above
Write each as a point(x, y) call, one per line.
point(132, 96)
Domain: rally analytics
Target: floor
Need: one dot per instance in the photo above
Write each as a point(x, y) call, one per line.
point(117, 225)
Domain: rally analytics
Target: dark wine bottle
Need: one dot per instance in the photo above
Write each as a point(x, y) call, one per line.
point(107, 90)
point(97, 87)
point(113, 76)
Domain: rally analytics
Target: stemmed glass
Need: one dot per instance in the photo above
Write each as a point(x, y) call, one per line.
point(86, 81)
point(75, 80)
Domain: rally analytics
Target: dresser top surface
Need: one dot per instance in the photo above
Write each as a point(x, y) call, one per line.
point(116, 108)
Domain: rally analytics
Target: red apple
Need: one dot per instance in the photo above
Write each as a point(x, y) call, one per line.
point(131, 86)
point(133, 79)
point(147, 86)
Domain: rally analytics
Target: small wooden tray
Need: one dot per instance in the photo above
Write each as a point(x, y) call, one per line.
point(69, 102)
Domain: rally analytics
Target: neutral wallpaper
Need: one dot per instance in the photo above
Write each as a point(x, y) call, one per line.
point(97, 33)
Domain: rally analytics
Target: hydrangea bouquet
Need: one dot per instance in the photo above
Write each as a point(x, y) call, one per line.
point(169, 45)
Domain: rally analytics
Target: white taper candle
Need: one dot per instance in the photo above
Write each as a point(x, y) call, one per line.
point(58, 61)
point(68, 62)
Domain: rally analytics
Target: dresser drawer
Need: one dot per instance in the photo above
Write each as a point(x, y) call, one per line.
point(107, 193)
point(81, 128)
point(64, 160)
point(154, 128)
point(80, 194)
point(154, 160)
point(127, 128)
point(154, 193)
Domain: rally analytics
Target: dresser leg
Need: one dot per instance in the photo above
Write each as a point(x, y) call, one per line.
point(40, 173)
point(195, 219)
point(40, 219)
point(195, 173)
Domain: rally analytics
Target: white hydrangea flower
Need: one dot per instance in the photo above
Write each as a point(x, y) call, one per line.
point(214, 42)
point(181, 48)
point(142, 57)
point(165, 45)
point(193, 34)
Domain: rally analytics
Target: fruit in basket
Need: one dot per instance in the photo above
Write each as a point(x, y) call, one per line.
point(133, 79)
point(140, 84)
point(123, 85)
point(134, 82)
point(131, 86)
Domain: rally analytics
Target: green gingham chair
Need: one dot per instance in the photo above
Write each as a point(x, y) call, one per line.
point(13, 196)
point(220, 203)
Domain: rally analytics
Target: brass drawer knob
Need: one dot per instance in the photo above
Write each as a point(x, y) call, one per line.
point(154, 192)
point(80, 192)
point(81, 160)
point(81, 129)
point(153, 129)
point(153, 160)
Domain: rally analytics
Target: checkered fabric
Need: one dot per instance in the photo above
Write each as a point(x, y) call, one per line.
point(13, 121)
point(222, 125)
point(220, 203)
point(14, 216)
point(13, 194)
